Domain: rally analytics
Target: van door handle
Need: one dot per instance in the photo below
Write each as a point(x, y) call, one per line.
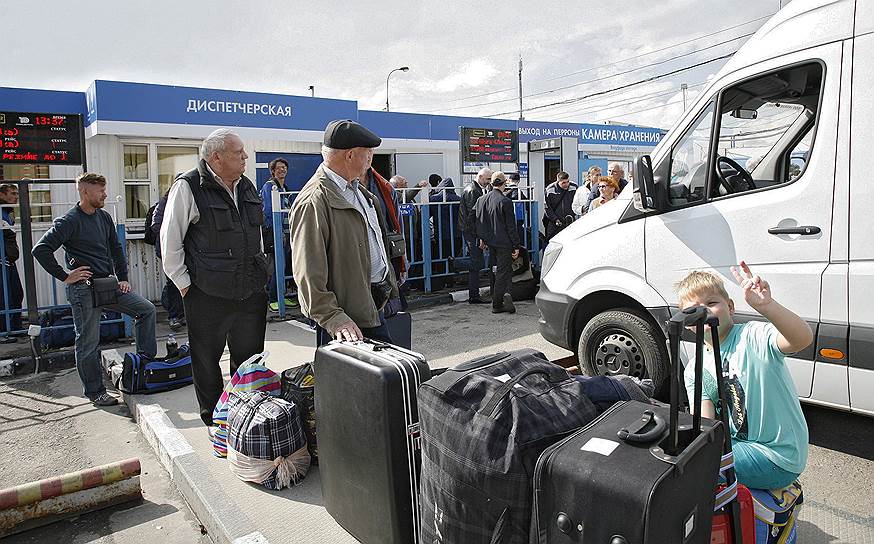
point(803, 230)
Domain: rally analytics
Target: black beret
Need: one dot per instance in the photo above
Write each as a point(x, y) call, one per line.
point(346, 134)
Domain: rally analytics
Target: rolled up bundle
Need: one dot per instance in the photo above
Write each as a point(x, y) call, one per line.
point(266, 441)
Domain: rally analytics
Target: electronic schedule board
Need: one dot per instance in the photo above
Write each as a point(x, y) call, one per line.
point(40, 138)
point(489, 145)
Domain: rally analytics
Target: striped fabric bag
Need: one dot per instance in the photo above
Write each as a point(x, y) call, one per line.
point(252, 375)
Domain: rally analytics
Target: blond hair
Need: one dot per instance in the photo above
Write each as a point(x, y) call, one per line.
point(698, 283)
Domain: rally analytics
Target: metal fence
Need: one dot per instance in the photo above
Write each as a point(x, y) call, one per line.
point(46, 299)
point(435, 246)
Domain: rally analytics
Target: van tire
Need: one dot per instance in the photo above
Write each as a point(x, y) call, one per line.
point(624, 341)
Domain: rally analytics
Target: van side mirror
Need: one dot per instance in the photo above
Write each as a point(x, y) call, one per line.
point(645, 198)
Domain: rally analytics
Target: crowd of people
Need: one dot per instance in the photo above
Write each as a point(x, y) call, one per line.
point(566, 201)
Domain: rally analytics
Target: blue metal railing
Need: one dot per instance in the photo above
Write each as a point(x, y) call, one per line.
point(7, 312)
point(430, 251)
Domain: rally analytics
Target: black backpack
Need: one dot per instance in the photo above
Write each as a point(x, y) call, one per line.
point(149, 236)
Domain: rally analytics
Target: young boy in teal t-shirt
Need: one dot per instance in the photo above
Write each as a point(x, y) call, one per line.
point(768, 429)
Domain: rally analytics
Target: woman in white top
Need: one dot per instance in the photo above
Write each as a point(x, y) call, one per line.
point(580, 197)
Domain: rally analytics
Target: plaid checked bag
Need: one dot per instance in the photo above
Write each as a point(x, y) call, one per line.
point(266, 440)
point(484, 423)
point(252, 375)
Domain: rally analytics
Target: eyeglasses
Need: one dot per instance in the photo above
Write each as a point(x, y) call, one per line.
point(615, 171)
point(603, 186)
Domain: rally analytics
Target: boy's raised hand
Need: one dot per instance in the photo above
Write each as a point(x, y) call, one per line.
point(757, 292)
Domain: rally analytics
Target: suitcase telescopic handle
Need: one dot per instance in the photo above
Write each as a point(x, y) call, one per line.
point(553, 375)
point(694, 315)
point(730, 475)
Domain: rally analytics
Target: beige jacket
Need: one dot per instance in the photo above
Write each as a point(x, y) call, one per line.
point(331, 257)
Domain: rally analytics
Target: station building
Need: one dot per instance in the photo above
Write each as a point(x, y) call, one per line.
point(140, 136)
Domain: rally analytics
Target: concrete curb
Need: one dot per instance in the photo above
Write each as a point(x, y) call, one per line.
point(224, 523)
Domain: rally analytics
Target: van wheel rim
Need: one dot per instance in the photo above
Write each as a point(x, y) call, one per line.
point(618, 353)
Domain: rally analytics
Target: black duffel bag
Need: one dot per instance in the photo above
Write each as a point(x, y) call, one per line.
point(298, 386)
point(483, 425)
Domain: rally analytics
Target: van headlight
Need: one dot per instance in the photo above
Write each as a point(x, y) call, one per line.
point(550, 256)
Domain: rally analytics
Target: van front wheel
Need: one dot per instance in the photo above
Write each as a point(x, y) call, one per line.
point(624, 341)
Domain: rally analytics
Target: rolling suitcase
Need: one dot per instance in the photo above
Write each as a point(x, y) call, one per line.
point(638, 474)
point(368, 424)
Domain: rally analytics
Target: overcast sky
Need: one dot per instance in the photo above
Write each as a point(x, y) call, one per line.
point(463, 56)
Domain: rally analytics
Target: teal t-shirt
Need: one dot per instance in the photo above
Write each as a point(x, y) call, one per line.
point(764, 407)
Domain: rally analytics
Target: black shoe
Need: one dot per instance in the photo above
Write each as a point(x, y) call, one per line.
point(477, 301)
point(509, 307)
point(175, 324)
point(105, 400)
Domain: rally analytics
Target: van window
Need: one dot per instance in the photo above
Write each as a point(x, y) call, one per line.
point(689, 161)
point(766, 126)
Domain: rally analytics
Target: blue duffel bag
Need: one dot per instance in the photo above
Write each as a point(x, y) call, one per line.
point(141, 374)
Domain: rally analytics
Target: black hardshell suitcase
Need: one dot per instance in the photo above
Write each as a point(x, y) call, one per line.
point(369, 447)
point(639, 474)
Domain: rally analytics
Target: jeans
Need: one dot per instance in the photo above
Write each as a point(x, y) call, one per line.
point(476, 264)
point(15, 295)
point(756, 471)
point(379, 333)
point(86, 323)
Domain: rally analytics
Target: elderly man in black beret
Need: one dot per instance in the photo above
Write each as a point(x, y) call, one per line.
point(339, 256)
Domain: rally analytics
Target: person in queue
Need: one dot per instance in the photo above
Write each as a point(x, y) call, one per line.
point(496, 228)
point(212, 250)
point(557, 209)
point(92, 250)
point(608, 189)
point(11, 292)
point(617, 172)
point(278, 172)
point(581, 197)
point(467, 216)
point(339, 255)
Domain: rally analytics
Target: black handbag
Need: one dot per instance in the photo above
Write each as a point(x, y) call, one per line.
point(104, 291)
point(397, 245)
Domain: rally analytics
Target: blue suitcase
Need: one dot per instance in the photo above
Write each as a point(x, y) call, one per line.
point(141, 374)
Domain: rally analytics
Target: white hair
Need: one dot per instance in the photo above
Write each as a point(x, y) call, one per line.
point(394, 180)
point(618, 165)
point(328, 152)
point(215, 142)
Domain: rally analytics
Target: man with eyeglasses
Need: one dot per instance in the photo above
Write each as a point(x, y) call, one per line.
point(617, 173)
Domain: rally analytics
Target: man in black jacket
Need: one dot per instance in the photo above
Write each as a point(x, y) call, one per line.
point(11, 293)
point(496, 227)
point(468, 217)
point(558, 213)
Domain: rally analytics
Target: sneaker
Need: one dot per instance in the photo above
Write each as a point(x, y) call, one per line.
point(274, 306)
point(105, 399)
point(175, 324)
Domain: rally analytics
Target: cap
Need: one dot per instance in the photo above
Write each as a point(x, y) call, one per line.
point(346, 134)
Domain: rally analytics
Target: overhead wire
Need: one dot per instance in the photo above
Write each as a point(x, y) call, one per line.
point(614, 89)
point(665, 48)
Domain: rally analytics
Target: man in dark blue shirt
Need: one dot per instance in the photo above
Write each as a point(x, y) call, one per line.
point(92, 250)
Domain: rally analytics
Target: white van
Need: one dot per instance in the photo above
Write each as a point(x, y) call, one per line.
point(796, 106)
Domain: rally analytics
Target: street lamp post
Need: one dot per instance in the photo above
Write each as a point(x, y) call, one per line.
point(312, 90)
point(401, 69)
